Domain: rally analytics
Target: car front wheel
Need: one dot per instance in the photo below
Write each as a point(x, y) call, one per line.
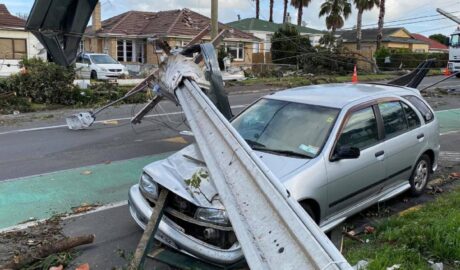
point(420, 175)
point(93, 75)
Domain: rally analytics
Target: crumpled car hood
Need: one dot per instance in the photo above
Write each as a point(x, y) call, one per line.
point(173, 173)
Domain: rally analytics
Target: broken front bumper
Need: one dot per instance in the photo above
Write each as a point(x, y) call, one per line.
point(171, 235)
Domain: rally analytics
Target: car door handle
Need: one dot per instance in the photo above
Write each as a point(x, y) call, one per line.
point(420, 136)
point(379, 153)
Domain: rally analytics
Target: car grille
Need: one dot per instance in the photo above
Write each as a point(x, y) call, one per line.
point(182, 212)
point(115, 70)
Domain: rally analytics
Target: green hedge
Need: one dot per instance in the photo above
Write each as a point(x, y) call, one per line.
point(405, 59)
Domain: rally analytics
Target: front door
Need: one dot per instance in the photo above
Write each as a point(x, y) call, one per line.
point(351, 180)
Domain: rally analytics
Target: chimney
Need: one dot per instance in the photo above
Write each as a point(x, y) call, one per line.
point(97, 24)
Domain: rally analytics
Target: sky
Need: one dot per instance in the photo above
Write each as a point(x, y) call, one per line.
point(427, 21)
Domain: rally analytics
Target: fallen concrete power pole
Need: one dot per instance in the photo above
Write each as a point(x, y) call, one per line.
point(272, 228)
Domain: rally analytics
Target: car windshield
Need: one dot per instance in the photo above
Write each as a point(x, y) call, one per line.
point(103, 59)
point(286, 128)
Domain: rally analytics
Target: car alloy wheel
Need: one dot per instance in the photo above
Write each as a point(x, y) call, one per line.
point(420, 175)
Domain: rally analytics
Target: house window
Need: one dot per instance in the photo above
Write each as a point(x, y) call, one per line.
point(13, 48)
point(236, 50)
point(129, 50)
point(256, 47)
point(81, 48)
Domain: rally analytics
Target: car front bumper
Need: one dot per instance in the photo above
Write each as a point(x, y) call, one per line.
point(171, 234)
point(107, 75)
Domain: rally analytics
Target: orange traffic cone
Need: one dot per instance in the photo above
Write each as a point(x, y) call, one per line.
point(354, 78)
point(447, 71)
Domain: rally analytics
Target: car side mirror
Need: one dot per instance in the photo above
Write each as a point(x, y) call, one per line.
point(346, 152)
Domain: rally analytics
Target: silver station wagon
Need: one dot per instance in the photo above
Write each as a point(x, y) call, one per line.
point(337, 148)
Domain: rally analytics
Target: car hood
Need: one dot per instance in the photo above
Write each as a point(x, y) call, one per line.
point(175, 172)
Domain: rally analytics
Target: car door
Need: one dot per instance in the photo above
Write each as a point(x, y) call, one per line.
point(352, 180)
point(404, 139)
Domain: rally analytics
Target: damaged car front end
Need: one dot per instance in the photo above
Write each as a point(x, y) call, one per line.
point(195, 221)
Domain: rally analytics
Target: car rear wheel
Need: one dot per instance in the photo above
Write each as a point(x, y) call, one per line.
point(420, 175)
point(93, 75)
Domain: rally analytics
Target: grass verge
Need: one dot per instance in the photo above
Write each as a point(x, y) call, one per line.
point(411, 239)
point(294, 81)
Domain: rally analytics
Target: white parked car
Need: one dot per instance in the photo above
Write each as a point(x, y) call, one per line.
point(99, 66)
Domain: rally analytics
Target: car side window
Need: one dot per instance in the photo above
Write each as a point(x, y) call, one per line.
point(394, 120)
point(360, 131)
point(421, 107)
point(412, 118)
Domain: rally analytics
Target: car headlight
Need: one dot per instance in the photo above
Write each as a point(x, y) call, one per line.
point(148, 187)
point(211, 215)
point(104, 69)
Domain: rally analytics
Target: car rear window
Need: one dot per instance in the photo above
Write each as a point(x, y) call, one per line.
point(421, 107)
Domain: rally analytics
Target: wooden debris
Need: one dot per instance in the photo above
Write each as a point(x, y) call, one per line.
point(19, 261)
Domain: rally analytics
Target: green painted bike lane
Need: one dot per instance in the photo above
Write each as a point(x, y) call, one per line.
point(44, 195)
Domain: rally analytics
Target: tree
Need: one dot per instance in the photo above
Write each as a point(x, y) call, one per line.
point(440, 38)
point(285, 10)
point(380, 24)
point(257, 8)
point(299, 5)
point(362, 5)
point(271, 11)
point(337, 12)
point(288, 45)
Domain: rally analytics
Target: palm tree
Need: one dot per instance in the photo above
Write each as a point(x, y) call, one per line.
point(337, 12)
point(271, 11)
point(257, 8)
point(362, 5)
point(380, 25)
point(300, 4)
point(285, 10)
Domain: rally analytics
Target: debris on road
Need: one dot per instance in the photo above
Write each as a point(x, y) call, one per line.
point(41, 246)
point(454, 175)
point(410, 210)
point(394, 267)
point(87, 172)
point(84, 266)
point(369, 229)
point(84, 207)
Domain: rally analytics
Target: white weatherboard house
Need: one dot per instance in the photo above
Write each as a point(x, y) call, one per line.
point(16, 43)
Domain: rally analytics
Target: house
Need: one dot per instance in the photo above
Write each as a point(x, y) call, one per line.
point(265, 30)
point(127, 37)
point(15, 43)
point(393, 38)
point(434, 46)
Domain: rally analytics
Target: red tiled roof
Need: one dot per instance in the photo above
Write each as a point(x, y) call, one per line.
point(163, 23)
point(8, 20)
point(434, 45)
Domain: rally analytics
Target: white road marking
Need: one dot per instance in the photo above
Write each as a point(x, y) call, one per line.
point(69, 216)
point(101, 121)
point(449, 156)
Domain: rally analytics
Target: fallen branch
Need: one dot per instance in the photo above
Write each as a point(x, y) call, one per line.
point(44, 251)
point(353, 237)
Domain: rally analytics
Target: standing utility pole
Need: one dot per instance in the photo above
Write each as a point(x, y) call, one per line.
point(214, 19)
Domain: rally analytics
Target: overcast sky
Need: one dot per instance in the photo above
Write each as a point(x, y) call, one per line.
point(229, 9)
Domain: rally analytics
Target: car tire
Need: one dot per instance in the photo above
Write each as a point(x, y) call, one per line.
point(420, 175)
point(307, 207)
point(457, 75)
point(93, 75)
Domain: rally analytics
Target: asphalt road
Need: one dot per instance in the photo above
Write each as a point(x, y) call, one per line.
point(37, 145)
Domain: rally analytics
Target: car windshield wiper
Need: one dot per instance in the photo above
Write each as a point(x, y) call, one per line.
point(254, 143)
point(282, 152)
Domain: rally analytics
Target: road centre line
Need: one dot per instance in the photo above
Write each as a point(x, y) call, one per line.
point(101, 121)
